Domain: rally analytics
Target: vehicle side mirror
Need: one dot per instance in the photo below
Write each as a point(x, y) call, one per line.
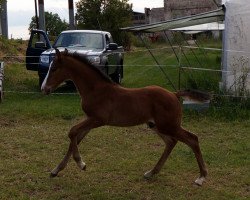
point(40, 45)
point(112, 46)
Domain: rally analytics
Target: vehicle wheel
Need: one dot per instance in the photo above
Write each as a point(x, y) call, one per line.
point(106, 69)
point(41, 79)
point(117, 76)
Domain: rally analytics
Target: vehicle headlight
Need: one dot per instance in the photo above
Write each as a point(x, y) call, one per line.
point(94, 60)
point(44, 59)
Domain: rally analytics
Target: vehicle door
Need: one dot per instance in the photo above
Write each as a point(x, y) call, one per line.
point(38, 43)
point(112, 55)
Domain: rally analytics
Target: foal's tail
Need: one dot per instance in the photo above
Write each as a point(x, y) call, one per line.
point(194, 95)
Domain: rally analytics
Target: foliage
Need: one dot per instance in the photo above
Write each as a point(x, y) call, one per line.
point(6, 47)
point(54, 24)
point(1, 1)
point(11, 47)
point(88, 14)
point(108, 15)
point(240, 68)
point(230, 108)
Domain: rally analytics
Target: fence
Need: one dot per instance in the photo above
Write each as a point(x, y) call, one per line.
point(178, 65)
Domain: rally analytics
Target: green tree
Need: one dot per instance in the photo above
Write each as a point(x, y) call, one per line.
point(54, 24)
point(88, 14)
point(108, 15)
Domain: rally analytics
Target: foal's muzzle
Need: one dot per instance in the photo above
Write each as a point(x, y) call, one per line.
point(46, 90)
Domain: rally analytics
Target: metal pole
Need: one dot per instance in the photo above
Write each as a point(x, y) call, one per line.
point(41, 15)
point(158, 64)
point(179, 71)
point(171, 46)
point(177, 57)
point(37, 23)
point(71, 15)
point(192, 51)
point(1, 81)
point(179, 44)
point(4, 19)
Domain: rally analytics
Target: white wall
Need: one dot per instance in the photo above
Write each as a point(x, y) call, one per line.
point(236, 43)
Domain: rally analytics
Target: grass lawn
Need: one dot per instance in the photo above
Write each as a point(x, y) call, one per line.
point(34, 139)
point(116, 160)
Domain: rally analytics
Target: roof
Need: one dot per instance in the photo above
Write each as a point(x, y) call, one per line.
point(203, 18)
point(85, 31)
point(213, 26)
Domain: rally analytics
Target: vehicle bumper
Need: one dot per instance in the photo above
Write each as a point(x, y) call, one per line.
point(43, 70)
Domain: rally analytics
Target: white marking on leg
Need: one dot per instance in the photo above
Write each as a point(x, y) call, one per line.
point(54, 172)
point(81, 165)
point(200, 180)
point(148, 174)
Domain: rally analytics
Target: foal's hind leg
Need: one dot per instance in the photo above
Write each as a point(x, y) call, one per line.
point(170, 144)
point(192, 141)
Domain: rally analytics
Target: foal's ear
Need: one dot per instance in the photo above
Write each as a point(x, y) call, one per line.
point(58, 55)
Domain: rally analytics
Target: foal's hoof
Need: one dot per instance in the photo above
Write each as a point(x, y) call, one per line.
point(199, 181)
point(82, 165)
point(84, 168)
point(148, 175)
point(52, 175)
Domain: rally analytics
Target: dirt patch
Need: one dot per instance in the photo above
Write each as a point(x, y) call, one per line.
point(7, 122)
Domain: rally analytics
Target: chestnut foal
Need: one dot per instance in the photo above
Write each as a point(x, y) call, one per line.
point(107, 103)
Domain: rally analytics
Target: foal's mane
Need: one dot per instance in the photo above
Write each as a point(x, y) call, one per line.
point(84, 59)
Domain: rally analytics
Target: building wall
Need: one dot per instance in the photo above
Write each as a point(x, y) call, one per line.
point(236, 54)
point(138, 18)
point(154, 15)
point(179, 8)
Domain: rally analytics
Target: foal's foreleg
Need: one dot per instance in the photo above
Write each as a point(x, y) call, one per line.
point(66, 158)
point(76, 134)
point(170, 144)
point(63, 163)
point(76, 155)
point(75, 137)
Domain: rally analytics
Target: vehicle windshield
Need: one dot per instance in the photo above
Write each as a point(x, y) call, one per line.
point(80, 39)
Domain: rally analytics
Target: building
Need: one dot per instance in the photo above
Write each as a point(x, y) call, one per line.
point(154, 15)
point(179, 8)
point(138, 18)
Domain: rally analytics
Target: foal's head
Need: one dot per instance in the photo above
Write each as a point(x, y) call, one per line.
point(57, 73)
